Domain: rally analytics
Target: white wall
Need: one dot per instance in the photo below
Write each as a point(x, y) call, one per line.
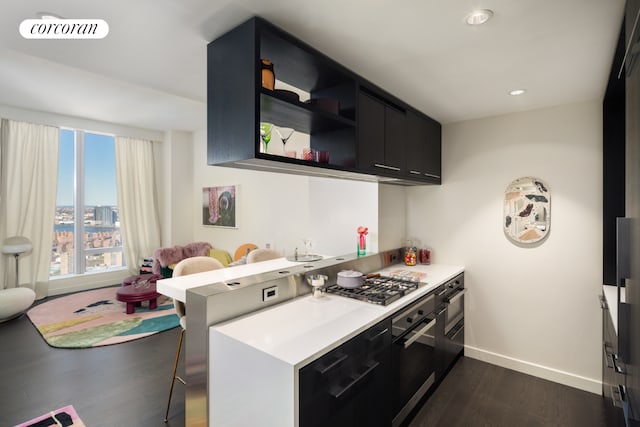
point(530, 309)
point(174, 170)
point(282, 209)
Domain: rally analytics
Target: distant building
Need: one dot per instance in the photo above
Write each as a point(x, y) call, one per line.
point(104, 216)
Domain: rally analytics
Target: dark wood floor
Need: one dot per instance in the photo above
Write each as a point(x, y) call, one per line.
point(123, 385)
point(478, 394)
point(126, 385)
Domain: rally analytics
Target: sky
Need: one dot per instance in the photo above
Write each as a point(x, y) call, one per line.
point(100, 170)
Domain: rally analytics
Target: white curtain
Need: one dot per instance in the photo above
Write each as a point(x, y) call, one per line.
point(28, 185)
point(137, 200)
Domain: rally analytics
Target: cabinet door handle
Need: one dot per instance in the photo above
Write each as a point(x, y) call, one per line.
point(603, 302)
point(607, 357)
point(617, 394)
point(338, 394)
point(415, 172)
point(457, 331)
point(419, 333)
point(324, 369)
point(444, 308)
point(456, 297)
point(378, 335)
point(430, 175)
point(380, 165)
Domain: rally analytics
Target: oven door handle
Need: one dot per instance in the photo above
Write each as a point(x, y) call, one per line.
point(419, 333)
point(456, 297)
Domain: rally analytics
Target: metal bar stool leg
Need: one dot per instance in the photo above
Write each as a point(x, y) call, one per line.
point(174, 377)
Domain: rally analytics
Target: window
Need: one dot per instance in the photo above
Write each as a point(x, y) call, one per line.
point(87, 228)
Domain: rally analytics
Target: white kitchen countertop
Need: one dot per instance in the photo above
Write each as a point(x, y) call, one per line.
point(299, 331)
point(176, 287)
point(611, 296)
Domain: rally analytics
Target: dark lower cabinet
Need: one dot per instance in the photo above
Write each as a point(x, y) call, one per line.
point(613, 378)
point(348, 387)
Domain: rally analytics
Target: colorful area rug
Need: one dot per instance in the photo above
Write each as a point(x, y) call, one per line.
point(95, 318)
point(60, 417)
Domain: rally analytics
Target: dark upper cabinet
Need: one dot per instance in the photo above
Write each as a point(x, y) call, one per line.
point(237, 104)
point(394, 137)
point(424, 148)
point(381, 136)
point(372, 136)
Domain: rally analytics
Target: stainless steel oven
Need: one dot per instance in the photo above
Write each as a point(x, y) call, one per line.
point(450, 303)
point(413, 356)
point(454, 299)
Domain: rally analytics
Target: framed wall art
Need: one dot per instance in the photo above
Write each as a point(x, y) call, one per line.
point(527, 211)
point(219, 206)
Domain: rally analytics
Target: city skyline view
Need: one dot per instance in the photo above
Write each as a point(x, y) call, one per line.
point(99, 169)
point(91, 168)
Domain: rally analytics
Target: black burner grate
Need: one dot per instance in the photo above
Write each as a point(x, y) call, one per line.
point(379, 290)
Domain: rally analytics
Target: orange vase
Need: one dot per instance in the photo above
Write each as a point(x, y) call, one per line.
point(268, 76)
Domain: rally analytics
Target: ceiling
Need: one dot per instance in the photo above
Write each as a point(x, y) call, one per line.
point(150, 71)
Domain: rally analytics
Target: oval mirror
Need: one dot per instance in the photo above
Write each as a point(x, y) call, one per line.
point(527, 210)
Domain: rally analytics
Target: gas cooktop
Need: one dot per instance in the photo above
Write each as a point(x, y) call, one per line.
point(378, 290)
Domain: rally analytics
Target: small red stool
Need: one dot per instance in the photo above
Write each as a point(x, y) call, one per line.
point(141, 288)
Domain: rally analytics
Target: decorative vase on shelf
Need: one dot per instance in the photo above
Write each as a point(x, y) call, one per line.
point(268, 75)
point(362, 240)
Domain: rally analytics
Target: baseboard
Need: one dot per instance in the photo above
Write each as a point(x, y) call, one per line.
point(544, 372)
point(86, 282)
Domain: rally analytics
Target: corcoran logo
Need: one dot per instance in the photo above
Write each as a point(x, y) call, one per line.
point(64, 29)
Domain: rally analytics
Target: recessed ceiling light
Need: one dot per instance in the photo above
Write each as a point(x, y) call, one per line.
point(48, 15)
point(478, 17)
point(516, 92)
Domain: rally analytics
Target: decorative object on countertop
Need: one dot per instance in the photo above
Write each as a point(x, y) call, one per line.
point(410, 254)
point(317, 281)
point(265, 134)
point(296, 257)
point(219, 206)
point(268, 75)
point(424, 256)
point(527, 211)
point(362, 240)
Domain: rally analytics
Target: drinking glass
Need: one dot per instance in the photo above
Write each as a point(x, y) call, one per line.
point(307, 245)
point(284, 134)
point(265, 134)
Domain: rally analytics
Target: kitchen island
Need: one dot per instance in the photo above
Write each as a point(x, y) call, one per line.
point(255, 360)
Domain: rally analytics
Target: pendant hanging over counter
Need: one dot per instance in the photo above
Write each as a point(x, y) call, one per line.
point(527, 210)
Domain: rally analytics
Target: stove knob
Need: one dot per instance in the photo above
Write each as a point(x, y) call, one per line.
point(420, 312)
point(409, 320)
